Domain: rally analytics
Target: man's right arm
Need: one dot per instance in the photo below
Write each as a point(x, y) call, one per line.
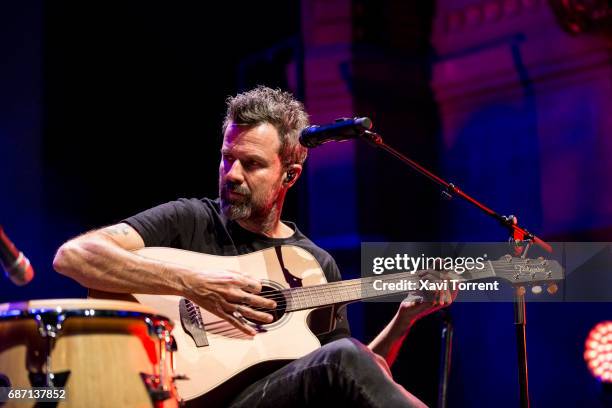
point(102, 260)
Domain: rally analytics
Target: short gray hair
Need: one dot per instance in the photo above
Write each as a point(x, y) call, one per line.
point(276, 107)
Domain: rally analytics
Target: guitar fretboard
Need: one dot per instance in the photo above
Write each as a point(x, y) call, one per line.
point(356, 289)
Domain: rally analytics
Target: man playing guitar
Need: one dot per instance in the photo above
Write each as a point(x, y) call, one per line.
point(261, 159)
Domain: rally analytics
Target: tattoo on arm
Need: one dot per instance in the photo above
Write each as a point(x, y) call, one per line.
point(117, 230)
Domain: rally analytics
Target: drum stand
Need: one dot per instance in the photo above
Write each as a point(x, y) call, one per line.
point(518, 234)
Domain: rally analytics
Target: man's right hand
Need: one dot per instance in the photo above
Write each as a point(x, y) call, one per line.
point(230, 295)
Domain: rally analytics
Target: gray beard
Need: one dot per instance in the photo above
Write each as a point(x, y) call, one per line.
point(244, 212)
point(238, 211)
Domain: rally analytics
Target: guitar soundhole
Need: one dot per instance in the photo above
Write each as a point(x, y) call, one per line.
point(279, 298)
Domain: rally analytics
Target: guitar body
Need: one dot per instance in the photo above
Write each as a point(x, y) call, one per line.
point(219, 371)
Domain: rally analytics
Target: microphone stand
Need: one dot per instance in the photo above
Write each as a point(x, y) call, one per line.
point(446, 348)
point(517, 234)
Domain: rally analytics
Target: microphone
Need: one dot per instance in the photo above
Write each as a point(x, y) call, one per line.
point(341, 129)
point(16, 266)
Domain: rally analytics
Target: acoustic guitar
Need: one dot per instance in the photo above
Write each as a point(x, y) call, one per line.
point(215, 361)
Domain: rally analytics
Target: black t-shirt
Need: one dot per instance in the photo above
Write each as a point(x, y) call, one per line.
point(199, 225)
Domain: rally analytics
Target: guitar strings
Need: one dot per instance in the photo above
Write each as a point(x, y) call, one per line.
point(281, 293)
point(309, 299)
point(322, 289)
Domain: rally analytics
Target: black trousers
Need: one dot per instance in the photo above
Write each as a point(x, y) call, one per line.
point(342, 372)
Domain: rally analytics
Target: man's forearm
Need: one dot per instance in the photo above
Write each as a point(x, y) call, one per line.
point(389, 341)
point(97, 263)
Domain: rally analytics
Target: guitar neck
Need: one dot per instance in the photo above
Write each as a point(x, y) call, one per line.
point(352, 290)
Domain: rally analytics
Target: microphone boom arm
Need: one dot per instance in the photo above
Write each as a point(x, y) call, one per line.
point(451, 190)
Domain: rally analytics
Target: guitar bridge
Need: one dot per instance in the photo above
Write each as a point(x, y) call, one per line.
point(192, 322)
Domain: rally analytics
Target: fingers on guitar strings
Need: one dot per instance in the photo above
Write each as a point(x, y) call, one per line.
point(244, 312)
point(236, 319)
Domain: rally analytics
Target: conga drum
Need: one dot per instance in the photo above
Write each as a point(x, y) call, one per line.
point(103, 353)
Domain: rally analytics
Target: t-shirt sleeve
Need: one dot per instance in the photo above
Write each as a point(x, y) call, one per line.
point(170, 224)
point(342, 328)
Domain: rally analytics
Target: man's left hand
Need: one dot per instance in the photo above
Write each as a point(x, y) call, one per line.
point(414, 308)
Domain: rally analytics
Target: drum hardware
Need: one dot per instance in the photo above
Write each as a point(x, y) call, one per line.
point(49, 379)
point(172, 347)
point(155, 387)
point(49, 326)
point(4, 381)
point(155, 383)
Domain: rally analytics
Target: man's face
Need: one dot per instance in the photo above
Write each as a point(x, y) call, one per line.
point(250, 172)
